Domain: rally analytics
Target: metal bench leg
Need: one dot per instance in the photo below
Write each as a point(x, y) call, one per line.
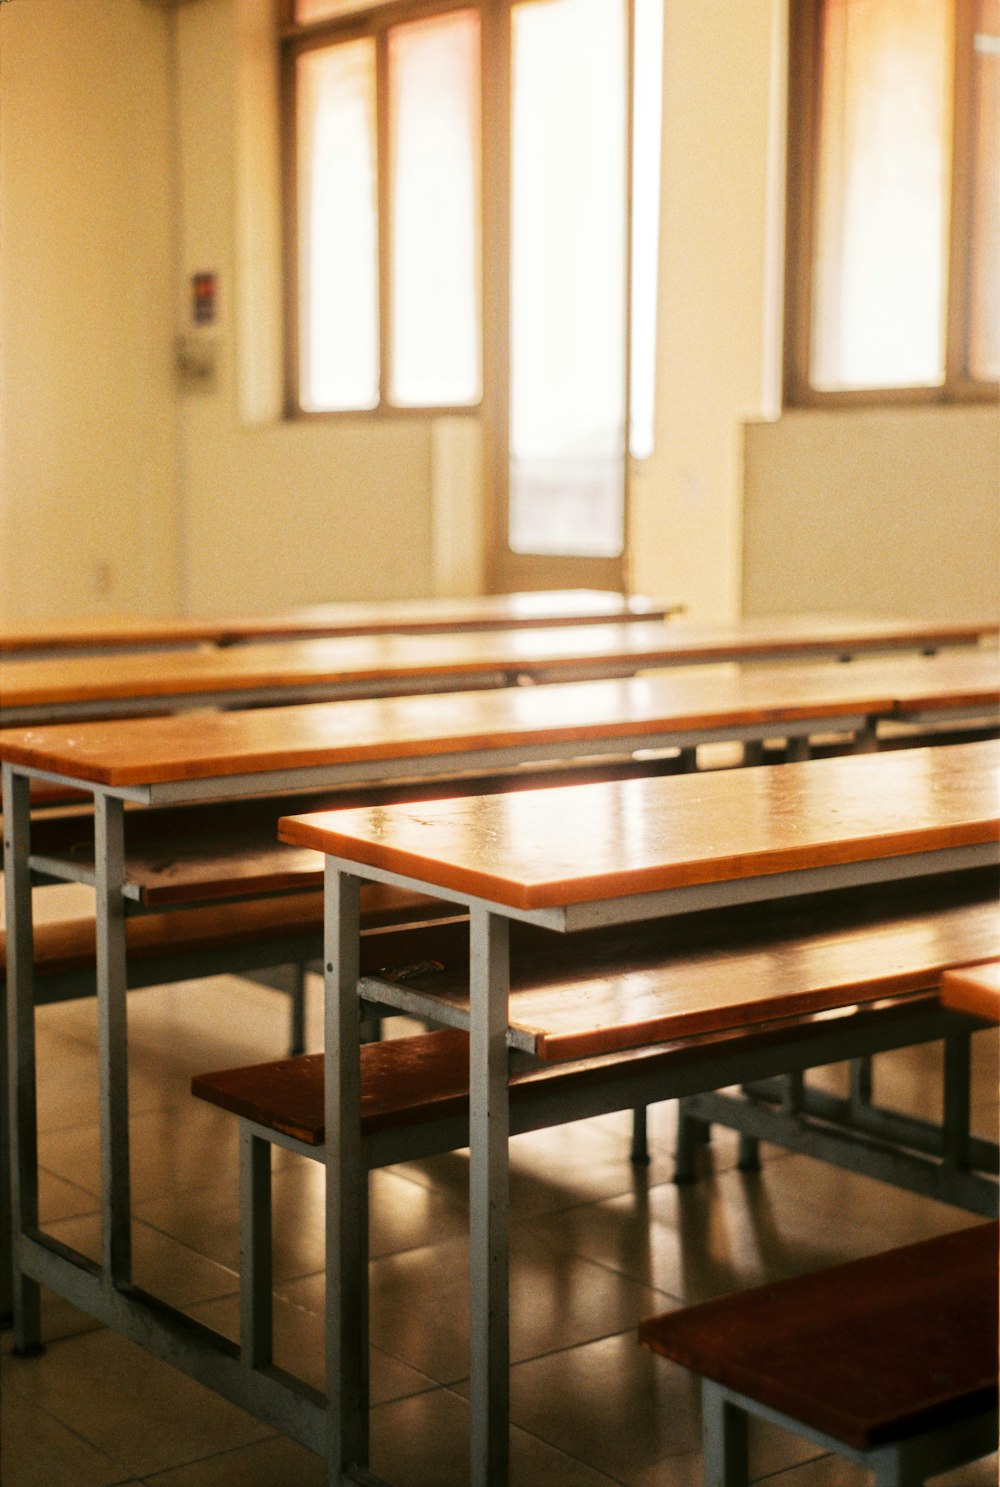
point(256, 1269)
point(24, 1294)
point(725, 1438)
point(346, 1187)
point(748, 1159)
point(894, 1468)
point(640, 1136)
point(489, 1190)
point(692, 1132)
point(957, 1100)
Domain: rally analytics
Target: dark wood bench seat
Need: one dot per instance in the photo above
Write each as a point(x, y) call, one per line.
point(229, 849)
point(408, 1082)
point(237, 936)
point(880, 1351)
point(594, 993)
point(880, 959)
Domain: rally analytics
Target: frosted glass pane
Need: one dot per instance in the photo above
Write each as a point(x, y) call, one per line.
point(984, 329)
point(878, 317)
point(322, 10)
point(338, 228)
point(647, 111)
point(434, 143)
point(567, 395)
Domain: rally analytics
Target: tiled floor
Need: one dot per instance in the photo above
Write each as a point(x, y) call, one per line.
point(597, 1245)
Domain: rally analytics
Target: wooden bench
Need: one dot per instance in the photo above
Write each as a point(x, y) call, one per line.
point(381, 665)
point(974, 989)
point(271, 939)
point(701, 1001)
point(890, 1361)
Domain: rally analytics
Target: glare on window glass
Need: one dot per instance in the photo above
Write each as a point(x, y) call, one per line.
point(984, 337)
point(338, 228)
point(646, 128)
point(434, 134)
point(567, 393)
point(321, 10)
point(884, 182)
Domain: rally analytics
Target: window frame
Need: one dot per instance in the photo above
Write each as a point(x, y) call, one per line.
point(802, 183)
point(295, 38)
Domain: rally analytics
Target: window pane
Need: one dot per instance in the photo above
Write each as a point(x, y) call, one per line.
point(338, 228)
point(567, 404)
point(878, 318)
point(434, 143)
point(647, 126)
point(322, 10)
point(984, 309)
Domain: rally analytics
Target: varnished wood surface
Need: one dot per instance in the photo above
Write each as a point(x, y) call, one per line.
point(599, 993)
point(390, 616)
point(145, 751)
point(372, 660)
point(229, 849)
point(974, 989)
point(387, 915)
point(867, 1352)
point(405, 1081)
point(586, 843)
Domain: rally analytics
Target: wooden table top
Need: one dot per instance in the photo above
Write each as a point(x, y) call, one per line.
point(974, 989)
point(581, 844)
point(390, 616)
point(375, 661)
point(736, 967)
point(156, 750)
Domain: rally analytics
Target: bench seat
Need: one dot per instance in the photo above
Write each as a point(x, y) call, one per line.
point(878, 1351)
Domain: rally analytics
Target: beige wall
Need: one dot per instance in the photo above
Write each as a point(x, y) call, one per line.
point(275, 512)
point(891, 510)
point(139, 145)
point(87, 454)
point(718, 319)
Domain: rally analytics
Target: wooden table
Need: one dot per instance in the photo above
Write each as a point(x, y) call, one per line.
point(975, 989)
point(370, 666)
point(107, 635)
point(652, 848)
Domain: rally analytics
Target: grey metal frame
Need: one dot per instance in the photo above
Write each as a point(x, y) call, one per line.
point(106, 1291)
point(904, 1463)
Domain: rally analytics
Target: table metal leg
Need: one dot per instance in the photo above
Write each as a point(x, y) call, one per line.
point(346, 1187)
point(256, 1269)
point(22, 1216)
point(489, 1192)
point(112, 1039)
point(725, 1438)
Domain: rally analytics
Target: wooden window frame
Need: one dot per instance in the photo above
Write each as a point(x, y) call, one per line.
point(296, 38)
point(804, 82)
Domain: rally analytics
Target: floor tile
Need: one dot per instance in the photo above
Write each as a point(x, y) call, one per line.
point(277, 1462)
point(37, 1450)
point(299, 1340)
point(424, 1442)
point(139, 1412)
point(404, 1214)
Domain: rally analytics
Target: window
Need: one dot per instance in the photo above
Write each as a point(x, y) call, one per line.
point(385, 139)
point(894, 165)
point(396, 113)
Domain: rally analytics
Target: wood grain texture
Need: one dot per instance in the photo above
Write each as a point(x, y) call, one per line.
point(374, 659)
point(592, 994)
point(389, 616)
point(155, 750)
point(393, 930)
point(591, 842)
point(179, 854)
point(974, 989)
point(405, 1081)
point(869, 1351)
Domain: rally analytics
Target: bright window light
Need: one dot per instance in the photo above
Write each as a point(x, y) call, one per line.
point(568, 245)
point(338, 228)
point(434, 154)
point(884, 181)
